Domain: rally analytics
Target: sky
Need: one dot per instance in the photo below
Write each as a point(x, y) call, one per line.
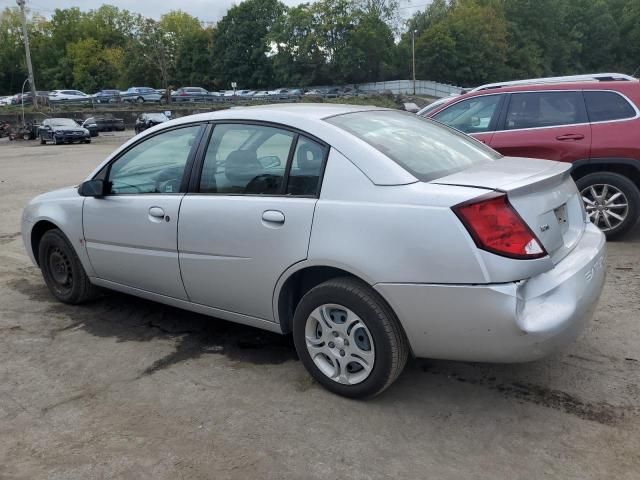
point(205, 10)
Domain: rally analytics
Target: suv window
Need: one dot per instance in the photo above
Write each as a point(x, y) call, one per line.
point(603, 106)
point(473, 115)
point(545, 109)
point(155, 165)
point(246, 159)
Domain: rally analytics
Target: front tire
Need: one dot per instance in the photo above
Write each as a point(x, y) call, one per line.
point(349, 339)
point(62, 271)
point(140, 100)
point(42, 140)
point(612, 202)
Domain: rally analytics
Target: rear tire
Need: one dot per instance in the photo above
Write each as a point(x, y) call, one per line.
point(376, 349)
point(611, 210)
point(62, 270)
point(140, 100)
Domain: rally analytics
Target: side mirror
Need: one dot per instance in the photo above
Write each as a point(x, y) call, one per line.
point(92, 188)
point(270, 161)
point(475, 121)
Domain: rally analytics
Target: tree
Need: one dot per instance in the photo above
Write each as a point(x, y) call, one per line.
point(241, 47)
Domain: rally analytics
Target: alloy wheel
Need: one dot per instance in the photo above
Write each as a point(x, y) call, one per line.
point(340, 344)
point(607, 206)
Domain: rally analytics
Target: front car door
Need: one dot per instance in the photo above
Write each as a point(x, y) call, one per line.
point(131, 233)
point(249, 217)
point(551, 125)
point(476, 116)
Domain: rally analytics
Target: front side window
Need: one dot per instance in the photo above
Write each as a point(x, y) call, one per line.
point(155, 165)
point(473, 115)
point(604, 106)
point(545, 109)
point(424, 148)
point(246, 159)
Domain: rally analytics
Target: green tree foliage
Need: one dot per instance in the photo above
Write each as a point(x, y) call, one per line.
point(264, 44)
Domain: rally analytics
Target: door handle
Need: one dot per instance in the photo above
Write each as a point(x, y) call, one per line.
point(273, 216)
point(570, 136)
point(156, 212)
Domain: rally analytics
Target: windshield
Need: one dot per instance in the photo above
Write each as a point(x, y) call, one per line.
point(62, 122)
point(425, 148)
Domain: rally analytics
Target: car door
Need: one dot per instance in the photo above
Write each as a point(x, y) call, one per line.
point(249, 217)
point(131, 232)
point(551, 125)
point(476, 116)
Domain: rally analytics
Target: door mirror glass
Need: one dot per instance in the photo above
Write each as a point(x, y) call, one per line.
point(92, 188)
point(270, 161)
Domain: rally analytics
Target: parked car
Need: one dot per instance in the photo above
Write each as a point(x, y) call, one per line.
point(260, 95)
point(27, 98)
point(589, 121)
point(61, 130)
point(148, 120)
point(245, 93)
point(381, 234)
point(141, 95)
point(109, 123)
point(69, 96)
point(189, 94)
point(91, 125)
point(107, 96)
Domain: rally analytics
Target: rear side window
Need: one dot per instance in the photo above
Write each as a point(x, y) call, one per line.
point(603, 106)
point(424, 148)
point(545, 109)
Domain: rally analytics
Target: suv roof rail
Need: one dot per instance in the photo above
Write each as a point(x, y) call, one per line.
point(591, 77)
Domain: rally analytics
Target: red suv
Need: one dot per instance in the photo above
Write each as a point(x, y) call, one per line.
point(591, 121)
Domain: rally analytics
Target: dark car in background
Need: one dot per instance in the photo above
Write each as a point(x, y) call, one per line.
point(591, 121)
point(109, 124)
point(141, 95)
point(90, 124)
point(189, 94)
point(148, 120)
point(27, 98)
point(61, 130)
point(107, 96)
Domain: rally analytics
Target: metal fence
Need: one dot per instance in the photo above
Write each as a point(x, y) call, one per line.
point(423, 87)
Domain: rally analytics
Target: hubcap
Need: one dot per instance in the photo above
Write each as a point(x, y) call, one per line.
point(60, 269)
point(340, 344)
point(606, 205)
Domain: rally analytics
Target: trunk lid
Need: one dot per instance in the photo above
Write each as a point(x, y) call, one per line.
point(541, 191)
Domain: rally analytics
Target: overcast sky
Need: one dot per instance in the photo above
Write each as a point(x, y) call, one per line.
point(205, 10)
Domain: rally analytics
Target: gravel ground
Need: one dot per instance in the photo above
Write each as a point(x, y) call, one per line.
point(125, 388)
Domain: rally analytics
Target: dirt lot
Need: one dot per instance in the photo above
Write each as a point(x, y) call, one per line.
point(124, 388)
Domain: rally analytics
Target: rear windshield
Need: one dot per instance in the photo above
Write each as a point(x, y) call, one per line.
point(426, 149)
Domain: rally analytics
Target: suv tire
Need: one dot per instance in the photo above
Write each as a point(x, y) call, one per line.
point(373, 333)
point(616, 184)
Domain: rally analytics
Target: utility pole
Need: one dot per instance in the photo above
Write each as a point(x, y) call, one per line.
point(21, 4)
point(413, 53)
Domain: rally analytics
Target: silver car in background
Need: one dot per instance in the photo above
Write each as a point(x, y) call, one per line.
point(370, 234)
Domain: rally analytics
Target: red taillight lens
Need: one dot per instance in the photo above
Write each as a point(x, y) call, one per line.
point(496, 227)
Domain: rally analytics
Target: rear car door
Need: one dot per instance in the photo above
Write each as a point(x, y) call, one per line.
point(551, 125)
point(477, 116)
point(249, 217)
point(131, 234)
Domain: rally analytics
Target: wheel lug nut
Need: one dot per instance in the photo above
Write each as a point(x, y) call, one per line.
point(335, 334)
point(346, 342)
point(342, 353)
point(331, 345)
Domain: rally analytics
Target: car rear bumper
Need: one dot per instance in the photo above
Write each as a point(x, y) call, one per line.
point(509, 322)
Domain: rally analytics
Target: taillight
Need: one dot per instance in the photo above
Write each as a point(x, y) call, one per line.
point(496, 227)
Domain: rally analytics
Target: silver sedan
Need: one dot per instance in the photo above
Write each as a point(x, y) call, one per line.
point(370, 234)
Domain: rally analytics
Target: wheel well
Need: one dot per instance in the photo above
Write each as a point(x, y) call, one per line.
point(37, 232)
point(297, 285)
point(630, 171)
